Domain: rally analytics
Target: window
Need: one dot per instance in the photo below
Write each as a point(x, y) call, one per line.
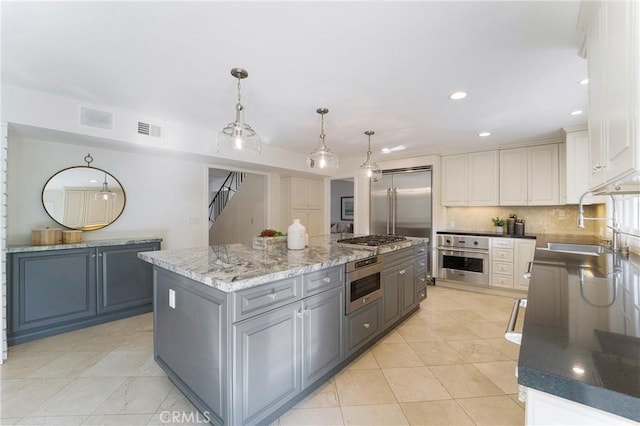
point(629, 214)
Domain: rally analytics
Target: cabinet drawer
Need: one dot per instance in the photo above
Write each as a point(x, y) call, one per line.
point(502, 280)
point(420, 250)
point(325, 279)
point(421, 294)
point(502, 242)
point(503, 268)
point(397, 257)
point(421, 263)
point(421, 280)
point(502, 254)
point(266, 297)
point(362, 326)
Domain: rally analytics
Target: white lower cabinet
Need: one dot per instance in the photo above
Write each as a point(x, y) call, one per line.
point(510, 259)
point(545, 409)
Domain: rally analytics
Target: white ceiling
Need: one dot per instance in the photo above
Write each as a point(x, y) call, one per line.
point(384, 66)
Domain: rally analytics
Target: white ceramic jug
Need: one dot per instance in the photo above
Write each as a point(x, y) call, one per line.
point(296, 235)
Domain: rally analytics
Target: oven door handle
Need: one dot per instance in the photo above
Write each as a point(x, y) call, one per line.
point(510, 333)
point(464, 250)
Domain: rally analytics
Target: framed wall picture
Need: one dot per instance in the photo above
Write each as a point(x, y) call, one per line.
point(346, 208)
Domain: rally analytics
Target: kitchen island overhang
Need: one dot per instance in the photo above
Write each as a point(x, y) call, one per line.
point(246, 334)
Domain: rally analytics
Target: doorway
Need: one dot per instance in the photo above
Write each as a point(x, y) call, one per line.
point(342, 205)
point(237, 206)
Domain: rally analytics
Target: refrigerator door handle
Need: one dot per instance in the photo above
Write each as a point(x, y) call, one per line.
point(395, 210)
point(388, 208)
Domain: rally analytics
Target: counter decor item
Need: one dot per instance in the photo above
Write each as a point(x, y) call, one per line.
point(296, 235)
point(519, 228)
point(268, 238)
point(71, 236)
point(498, 225)
point(46, 236)
point(511, 224)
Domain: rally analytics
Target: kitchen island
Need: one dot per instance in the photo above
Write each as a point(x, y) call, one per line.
point(580, 354)
point(246, 334)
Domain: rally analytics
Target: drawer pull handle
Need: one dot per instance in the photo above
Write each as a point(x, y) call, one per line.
point(422, 264)
point(423, 279)
point(402, 271)
point(364, 300)
point(421, 250)
point(367, 325)
point(326, 280)
point(273, 296)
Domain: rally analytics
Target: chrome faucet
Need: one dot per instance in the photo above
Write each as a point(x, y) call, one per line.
point(615, 226)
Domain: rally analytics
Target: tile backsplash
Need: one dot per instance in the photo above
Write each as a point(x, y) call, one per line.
point(538, 220)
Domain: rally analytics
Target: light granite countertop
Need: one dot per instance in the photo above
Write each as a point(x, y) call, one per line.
point(234, 267)
point(84, 244)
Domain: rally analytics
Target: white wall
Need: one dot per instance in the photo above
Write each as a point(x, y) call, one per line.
point(245, 214)
point(166, 197)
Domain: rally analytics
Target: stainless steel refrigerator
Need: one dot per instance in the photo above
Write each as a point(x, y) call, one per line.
point(401, 204)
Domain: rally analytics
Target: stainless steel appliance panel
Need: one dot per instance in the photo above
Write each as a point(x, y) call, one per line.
point(363, 283)
point(401, 204)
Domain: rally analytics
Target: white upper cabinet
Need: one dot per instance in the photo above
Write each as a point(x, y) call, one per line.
point(612, 54)
point(470, 179)
point(513, 177)
point(303, 199)
point(577, 169)
point(530, 176)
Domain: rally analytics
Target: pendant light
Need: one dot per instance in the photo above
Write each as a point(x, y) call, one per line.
point(239, 136)
point(372, 170)
point(105, 193)
point(322, 157)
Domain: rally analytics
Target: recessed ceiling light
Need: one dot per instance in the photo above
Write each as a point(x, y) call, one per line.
point(584, 81)
point(457, 95)
point(576, 112)
point(484, 134)
point(395, 148)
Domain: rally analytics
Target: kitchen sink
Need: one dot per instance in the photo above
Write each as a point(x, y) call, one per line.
point(588, 249)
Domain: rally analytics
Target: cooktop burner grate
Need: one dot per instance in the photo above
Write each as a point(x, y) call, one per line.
point(373, 240)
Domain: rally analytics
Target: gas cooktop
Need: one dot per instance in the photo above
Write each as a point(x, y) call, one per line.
point(373, 240)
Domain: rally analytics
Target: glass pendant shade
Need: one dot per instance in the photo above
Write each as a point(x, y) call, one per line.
point(105, 193)
point(370, 168)
point(322, 157)
point(239, 136)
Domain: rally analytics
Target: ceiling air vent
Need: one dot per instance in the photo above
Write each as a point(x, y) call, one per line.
point(91, 117)
point(149, 130)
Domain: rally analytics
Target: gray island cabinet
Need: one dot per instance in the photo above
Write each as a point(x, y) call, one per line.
point(247, 334)
point(58, 288)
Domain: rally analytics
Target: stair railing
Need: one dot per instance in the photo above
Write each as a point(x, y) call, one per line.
point(224, 194)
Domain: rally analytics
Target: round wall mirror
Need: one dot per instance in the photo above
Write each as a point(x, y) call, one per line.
point(83, 197)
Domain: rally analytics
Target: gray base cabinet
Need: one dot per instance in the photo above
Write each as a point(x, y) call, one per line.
point(399, 286)
point(54, 291)
point(246, 357)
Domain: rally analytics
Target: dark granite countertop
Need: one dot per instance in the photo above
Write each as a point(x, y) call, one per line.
point(483, 233)
point(581, 335)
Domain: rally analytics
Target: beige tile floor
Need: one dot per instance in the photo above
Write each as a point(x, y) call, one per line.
point(446, 365)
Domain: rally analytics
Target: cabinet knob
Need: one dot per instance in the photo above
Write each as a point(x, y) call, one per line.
point(364, 300)
point(423, 279)
point(402, 271)
point(326, 280)
point(273, 296)
point(422, 294)
point(367, 325)
point(422, 264)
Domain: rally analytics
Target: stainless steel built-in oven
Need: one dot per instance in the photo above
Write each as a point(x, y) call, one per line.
point(364, 282)
point(463, 258)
